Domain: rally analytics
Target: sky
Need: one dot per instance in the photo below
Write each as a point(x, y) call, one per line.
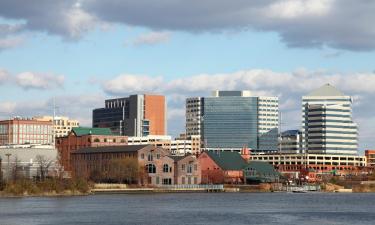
point(80, 52)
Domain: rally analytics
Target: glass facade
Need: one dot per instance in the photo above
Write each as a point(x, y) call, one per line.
point(230, 122)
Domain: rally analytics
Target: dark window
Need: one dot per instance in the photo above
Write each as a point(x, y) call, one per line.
point(165, 168)
point(151, 168)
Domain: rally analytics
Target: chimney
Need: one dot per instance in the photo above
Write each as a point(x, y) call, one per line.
point(245, 153)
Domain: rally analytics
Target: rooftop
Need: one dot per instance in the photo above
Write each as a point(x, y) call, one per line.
point(80, 131)
point(227, 160)
point(326, 90)
point(262, 167)
point(111, 149)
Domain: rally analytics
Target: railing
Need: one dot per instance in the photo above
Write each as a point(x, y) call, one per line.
point(193, 187)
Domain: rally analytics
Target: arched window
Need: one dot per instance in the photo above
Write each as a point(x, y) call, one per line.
point(150, 157)
point(96, 140)
point(165, 168)
point(151, 168)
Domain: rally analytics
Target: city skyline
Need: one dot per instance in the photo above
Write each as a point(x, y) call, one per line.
point(81, 55)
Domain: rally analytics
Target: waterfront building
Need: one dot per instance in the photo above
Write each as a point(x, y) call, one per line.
point(256, 172)
point(230, 120)
point(328, 127)
point(291, 142)
point(61, 126)
point(220, 167)
point(136, 115)
point(18, 131)
point(81, 137)
point(27, 161)
point(321, 163)
point(370, 158)
point(154, 165)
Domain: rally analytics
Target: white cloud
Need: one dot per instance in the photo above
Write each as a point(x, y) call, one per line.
point(30, 80)
point(152, 38)
point(127, 83)
point(11, 42)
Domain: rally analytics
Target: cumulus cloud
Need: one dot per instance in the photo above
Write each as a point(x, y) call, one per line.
point(344, 24)
point(64, 18)
point(152, 38)
point(127, 83)
point(29, 80)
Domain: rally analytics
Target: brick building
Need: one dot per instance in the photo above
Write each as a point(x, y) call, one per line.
point(370, 158)
point(220, 167)
point(81, 137)
point(155, 166)
point(20, 131)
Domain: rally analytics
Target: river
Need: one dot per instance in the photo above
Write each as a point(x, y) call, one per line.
point(191, 208)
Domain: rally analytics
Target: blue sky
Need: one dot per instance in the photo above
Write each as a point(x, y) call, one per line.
point(88, 50)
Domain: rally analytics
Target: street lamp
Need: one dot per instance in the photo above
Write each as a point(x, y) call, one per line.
point(8, 172)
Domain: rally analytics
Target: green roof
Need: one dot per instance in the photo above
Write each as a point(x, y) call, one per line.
point(262, 167)
point(227, 160)
point(80, 131)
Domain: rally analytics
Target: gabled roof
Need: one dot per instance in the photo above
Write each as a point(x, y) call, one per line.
point(262, 167)
point(227, 160)
point(111, 149)
point(326, 90)
point(80, 131)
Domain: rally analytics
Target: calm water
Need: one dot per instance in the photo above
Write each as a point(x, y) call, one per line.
point(203, 208)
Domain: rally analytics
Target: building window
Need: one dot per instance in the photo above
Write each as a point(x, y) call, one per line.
point(96, 140)
point(150, 157)
point(89, 140)
point(122, 140)
point(190, 168)
point(142, 156)
point(158, 156)
point(105, 139)
point(167, 181)
point(157, 180)
point(183, 167)
point(195, 180)
point(151, 168)
point(165, 168)
point(183, 180)
point(114, 140)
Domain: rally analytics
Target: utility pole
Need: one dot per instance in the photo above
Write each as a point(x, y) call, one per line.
point(8, 173)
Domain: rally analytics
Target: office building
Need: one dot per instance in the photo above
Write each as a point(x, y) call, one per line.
point(230, 120)
point(328, 127)
point(291, 142)
point(136, 115)
point(62, 125)
point(18, 131)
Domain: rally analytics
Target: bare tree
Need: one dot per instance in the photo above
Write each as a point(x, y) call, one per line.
point(44, 165)
point(124, 170)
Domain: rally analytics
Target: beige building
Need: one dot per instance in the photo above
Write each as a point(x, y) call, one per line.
point(62, 125)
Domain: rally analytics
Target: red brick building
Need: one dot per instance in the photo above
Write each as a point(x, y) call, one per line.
point(220, 167)
point(81, 137)
point(370, 158)
point(20, 131)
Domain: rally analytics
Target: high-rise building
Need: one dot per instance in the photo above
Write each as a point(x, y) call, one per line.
point(62, 125)
point(230, 120)
point(136, 115)
point(291, 142)
point(327, 123)
point(19, 131)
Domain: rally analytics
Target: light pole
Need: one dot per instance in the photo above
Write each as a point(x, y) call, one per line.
point(8, 172)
